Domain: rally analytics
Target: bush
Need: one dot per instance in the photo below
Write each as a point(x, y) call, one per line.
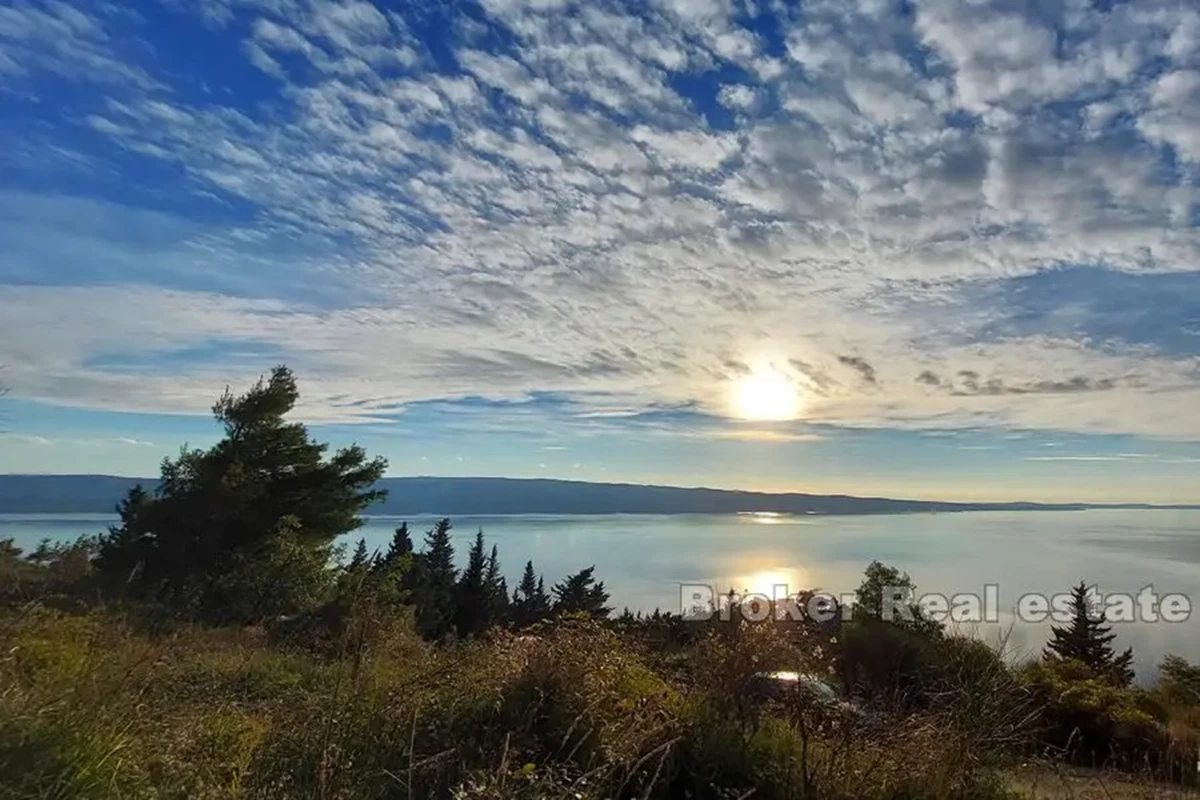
point(1091, 721)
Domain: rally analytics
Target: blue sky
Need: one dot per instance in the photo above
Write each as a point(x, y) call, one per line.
point(549, 238)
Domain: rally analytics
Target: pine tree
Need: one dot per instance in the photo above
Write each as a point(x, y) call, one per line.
point(541, 605)
point(471, 611)
point(358, 579)
point(244, 530)
point(581, 594)
point(435, 583)
point(394, 572)
point(439, 554)
point(520, 596)
point(361, 559)
point(124, 550)
point(491, 577)
point(530, 603)
point(1088, 640)
point(401, 544)
point(496, 589)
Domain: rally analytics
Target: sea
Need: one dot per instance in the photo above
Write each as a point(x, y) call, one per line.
point(669, 561)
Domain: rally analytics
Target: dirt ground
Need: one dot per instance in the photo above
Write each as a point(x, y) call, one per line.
point(1063, 783)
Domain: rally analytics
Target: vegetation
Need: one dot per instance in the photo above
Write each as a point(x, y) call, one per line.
point(215, 643)
point(243, 531)
point(1087, 640)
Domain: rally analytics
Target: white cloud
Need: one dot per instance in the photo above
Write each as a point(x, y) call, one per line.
point(1174, 114)
point(40, 441)
point(560, 217)
point(57, 441)
point(739, 97)
point(58, 38)
point(687, 149)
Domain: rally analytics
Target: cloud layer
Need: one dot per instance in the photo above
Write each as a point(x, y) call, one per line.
point(620, 204)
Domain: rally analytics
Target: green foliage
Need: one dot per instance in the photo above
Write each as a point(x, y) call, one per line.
point(435, 583)
point(580, 594)
point(566, 708)
point(394, 675)
point(244, 530)
point(400, 546)
point(1092, 721)
point(472, 612)
point(889, 595)
point(1087, 640)
point(496, 590)
point(889, 652)
point(530, 602)
point(58, 573)
point(361, 560)
point(1179, 681)
point(889, 663)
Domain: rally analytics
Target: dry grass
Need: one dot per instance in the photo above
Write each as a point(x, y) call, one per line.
point(1051, 781)
point(92, 707)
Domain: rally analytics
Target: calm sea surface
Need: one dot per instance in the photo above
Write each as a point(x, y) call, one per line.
point(643, 560)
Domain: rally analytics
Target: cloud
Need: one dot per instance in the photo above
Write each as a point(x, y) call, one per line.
point(1174, 114)
point(761, 435)
point(611, 204)
point(859, 364)
point(929, 378)
point(25, 439)
point(1119, 458)
point(739, 97)
point(57, 441)
point(969, 385)
point(58, 38)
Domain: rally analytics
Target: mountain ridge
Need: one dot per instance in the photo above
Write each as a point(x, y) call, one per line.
point(89, 493)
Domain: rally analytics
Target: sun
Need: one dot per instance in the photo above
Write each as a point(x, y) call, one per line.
point(766, 395)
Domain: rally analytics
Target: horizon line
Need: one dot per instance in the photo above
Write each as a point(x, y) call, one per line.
point(1049, 505)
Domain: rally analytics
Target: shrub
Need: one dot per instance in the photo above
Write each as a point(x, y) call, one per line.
point(1092, 721)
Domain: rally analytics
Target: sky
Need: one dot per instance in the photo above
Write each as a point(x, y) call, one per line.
point(941, 249)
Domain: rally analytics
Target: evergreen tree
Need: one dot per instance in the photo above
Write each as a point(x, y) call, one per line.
point(439, 555)
point(401, 544)
point(394, 569)
point(393, 575)
point(472, 605)
point(1088, 640)
point(435, 581)
point(245, 529)
point(581, 594)
point(123, 551)
point(361, 559)
point(530, 603)
point(541, 606)
point(528, 585)
point(496, 589)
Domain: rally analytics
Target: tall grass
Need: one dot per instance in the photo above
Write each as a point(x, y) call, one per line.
point(93, 706)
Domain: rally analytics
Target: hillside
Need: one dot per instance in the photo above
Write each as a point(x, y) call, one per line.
point(61, 494)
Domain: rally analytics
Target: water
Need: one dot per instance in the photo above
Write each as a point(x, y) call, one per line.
point(643, 559)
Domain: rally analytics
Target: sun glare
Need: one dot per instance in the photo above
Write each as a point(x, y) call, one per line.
point(771, 582)
point(766, 395)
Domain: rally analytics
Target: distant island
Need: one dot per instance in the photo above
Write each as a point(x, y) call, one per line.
point(83, 494)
